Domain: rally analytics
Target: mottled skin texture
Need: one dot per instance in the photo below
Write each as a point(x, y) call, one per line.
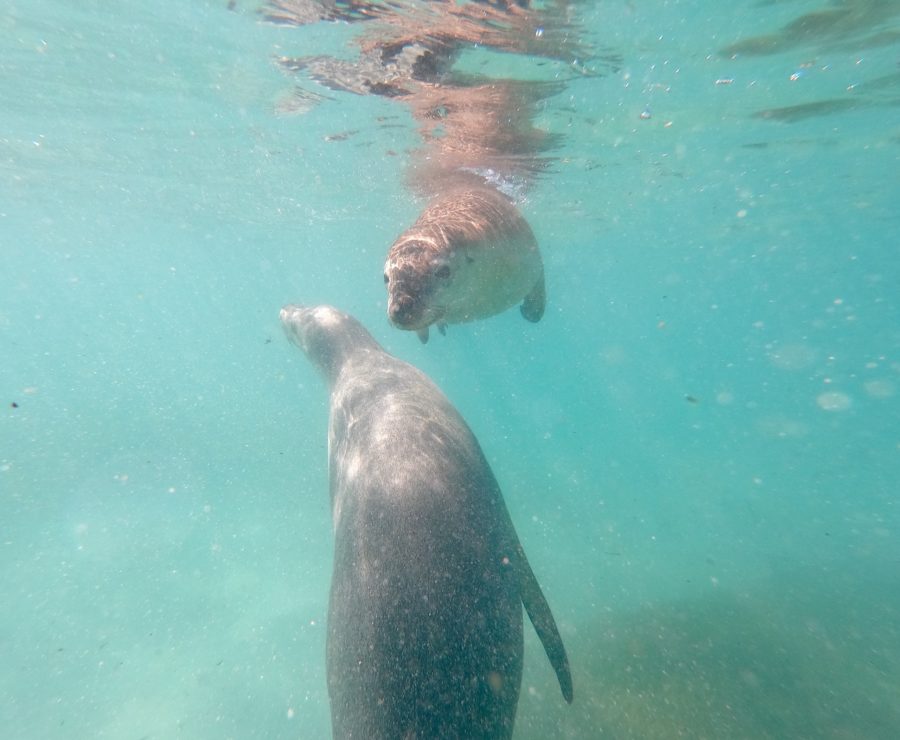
point(425, 612)
point(469, 255)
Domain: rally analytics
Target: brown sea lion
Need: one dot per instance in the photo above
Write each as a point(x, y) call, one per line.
point(469, 255)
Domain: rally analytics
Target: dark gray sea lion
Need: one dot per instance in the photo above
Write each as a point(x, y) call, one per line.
point(468, 256)
point(425, 615)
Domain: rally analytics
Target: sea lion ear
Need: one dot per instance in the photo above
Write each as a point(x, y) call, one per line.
point(422, 334)
point(533, 306)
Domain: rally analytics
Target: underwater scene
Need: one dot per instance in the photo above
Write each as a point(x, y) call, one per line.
point(697, 436)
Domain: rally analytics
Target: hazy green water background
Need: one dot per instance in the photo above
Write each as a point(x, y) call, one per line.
point(721, 566)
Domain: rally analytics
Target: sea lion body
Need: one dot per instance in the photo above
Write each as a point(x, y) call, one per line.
point(469, 255)
point(425, 617)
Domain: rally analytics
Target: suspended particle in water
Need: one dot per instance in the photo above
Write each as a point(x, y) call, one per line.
point(792, 356)
point(833, 401)
point(879, 388)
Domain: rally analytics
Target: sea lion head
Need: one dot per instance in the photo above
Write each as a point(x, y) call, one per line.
point(328, 337)
point(416, 274)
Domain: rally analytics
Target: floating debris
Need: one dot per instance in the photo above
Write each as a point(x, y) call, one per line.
point(298, 102)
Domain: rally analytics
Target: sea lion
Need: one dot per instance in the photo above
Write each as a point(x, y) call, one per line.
point(469, 255)
point(424, 618)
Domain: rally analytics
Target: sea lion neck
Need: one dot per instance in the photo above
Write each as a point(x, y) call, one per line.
point(330, 338)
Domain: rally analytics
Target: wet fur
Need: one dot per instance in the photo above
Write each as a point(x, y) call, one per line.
point(425, 612)
point(488, 253)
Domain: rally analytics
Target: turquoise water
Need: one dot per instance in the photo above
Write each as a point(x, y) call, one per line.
point(699, 444)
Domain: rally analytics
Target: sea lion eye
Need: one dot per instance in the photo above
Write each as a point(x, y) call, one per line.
point(442, 272)
point(386, 279)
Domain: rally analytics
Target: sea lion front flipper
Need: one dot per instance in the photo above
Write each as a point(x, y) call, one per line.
point(442, 328)
point(532, 307)
point(422, 334)
point(542, 618)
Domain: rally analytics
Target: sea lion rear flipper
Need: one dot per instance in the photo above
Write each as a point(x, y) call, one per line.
point(532, 307)
point(542, 618)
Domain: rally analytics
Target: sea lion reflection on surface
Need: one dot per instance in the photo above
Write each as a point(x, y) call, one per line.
point(470, 254)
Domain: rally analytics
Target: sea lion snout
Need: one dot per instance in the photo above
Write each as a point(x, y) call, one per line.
point(404, 310)
point(407, 291)
point(292, 317)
